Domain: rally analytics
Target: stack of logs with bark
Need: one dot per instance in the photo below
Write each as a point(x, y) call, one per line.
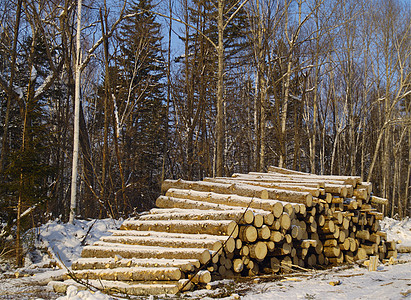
point(242, 225)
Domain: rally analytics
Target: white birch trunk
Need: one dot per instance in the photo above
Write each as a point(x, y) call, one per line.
point(73, 202)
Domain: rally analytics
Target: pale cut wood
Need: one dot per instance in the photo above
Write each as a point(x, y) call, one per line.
point(360, 254)
point(129, 274)
point(349, 180)
point(363, 234)
point(361, 194)
point(345, 245)
point(286, 181)
point(315, 192)
point(375, 238)
point(238, 244)
point(338, 217)
point(320, 220)
point(296, 232)
point(365, 185)
point(308, 243)
point(276, 207)
point(275, 264)
point(172, 202)
point(290, 210)
point(404, 249)
point(276, 225)
point(342, 237)
point(202, 276)
point(269, 219)
point(373, 264)
point(337, 200)
point(218, 227)
point(377, 215)
point(211, 244)
point(288, 238)
point(336, 189)
point(276, 236)
point(370, 249)
point(238, 265)
point(135, 251)
point(285, 221)
point(392, 253)
point(319, 248)
point(264, 232)
point(108, 286)
point(270, 245)
point(350, 204)
point(331, 251)
point(177, 235)
point(258, 221)
point(379, 200)
point(353, 244)
point(336, 260)
point(312, 226)
point(255, 270)
point(283, 249)
point(245, 250)
point(258, 250)
point(330, 243)
point(220, 188)
point(391, 245)
point(239, 215)
point(185, 265)
point(328, 227)
point(248, 233)
point(244, 190)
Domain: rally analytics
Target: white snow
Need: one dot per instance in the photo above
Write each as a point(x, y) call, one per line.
point(388, 282)
point(74, 294)
point(65, 239)
point(399, 231)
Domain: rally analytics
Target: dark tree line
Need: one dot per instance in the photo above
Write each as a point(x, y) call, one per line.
point(312, 85)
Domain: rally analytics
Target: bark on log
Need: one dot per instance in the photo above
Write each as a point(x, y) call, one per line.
point(314, 191)
point(379, 200)
point(242, 216)
point(124, 288)
point(223, 227)
point(276, 207)
point(211, 244)
point(135, 251)
point(130, 274)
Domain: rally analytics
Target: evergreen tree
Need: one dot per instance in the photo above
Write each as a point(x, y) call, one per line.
point(140, 99)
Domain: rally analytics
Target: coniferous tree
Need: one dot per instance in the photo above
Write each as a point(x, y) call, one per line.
point(140, 105)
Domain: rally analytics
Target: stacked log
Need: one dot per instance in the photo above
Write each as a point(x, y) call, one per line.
point(242, 225)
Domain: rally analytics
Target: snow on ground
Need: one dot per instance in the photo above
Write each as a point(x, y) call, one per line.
point(399, 231)
point(65, 241)
point(388, 282)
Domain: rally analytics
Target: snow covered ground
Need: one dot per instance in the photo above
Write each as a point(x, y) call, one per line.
point(391, 281)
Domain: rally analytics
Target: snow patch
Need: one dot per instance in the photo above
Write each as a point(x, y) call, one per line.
point(74, 294)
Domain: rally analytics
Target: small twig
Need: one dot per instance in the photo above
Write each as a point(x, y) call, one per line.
point(83, 241)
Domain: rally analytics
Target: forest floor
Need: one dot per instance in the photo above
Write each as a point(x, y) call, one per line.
point(65, 241)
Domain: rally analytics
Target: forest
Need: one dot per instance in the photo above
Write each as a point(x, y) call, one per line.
point(192, 89)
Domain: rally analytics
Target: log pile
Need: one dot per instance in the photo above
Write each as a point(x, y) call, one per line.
point(242, 225)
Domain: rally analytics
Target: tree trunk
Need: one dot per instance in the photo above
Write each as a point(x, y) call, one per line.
point(220, 92)
point(73, 200)
point(10, 92)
